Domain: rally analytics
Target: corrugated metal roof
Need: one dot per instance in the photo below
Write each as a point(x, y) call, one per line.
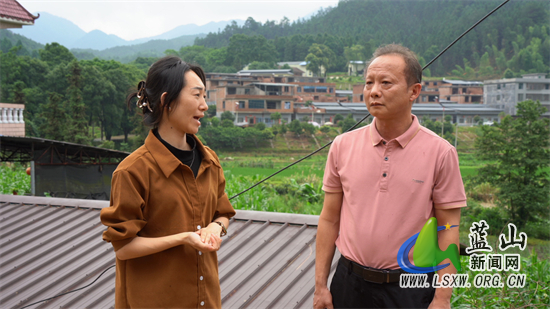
point(53, 245)
point(462, 82)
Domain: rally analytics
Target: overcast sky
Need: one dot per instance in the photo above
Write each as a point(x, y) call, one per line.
point(138, 19)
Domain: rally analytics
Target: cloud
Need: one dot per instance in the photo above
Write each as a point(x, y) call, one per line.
point(138, 19)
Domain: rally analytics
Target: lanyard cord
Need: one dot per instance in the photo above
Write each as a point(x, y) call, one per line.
point(298, 161)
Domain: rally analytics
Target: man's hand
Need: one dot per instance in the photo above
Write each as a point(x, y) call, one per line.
point(322, 298)
point(440, 303)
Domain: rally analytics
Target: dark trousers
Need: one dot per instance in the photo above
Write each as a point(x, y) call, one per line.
point(349, 290)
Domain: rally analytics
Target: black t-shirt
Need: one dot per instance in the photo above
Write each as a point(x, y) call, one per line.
point(191, 158)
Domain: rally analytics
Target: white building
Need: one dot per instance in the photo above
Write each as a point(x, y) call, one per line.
point(506, 93)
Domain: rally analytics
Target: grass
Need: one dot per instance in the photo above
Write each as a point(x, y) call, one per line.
point(535, 293)
point(14, 179)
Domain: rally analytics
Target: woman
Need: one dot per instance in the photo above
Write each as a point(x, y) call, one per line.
point(168, 206)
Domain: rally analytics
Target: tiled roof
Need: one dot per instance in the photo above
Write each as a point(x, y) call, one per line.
point(13, 10)
point(53, 245)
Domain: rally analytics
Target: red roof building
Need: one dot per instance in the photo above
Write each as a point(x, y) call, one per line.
point(14, 15)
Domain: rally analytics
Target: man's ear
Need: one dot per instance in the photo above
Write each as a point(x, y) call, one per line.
point(416, 88)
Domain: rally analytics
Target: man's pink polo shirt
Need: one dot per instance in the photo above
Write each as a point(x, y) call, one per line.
point(390, 189)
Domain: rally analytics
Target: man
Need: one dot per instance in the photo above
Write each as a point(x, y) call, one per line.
point(382, 183)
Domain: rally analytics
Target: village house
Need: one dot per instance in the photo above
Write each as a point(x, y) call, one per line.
point(13, 15)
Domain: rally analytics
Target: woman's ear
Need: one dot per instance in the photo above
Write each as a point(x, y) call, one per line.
point(163, 98)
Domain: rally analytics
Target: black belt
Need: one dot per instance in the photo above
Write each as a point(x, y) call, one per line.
point(372, 274)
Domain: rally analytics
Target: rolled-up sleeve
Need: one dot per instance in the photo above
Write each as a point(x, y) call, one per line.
point(124, 217)
point(224, 208)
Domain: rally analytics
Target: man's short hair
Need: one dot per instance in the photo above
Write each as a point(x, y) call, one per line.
point(413, 69)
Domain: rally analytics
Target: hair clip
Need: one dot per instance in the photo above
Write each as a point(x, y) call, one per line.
point(142, 97)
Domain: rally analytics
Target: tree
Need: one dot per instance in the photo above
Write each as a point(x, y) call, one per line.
point(215, 121)
point(338, 118)
point(319, 59)
point(260, 126)
point(227, 115)
point(54, 54)
point(276, 116)
point(54, 118)
point(77, 126)
point(296, 127)
point(257, 65)
point(347, 123)
point(519, 149)
point(309, 128)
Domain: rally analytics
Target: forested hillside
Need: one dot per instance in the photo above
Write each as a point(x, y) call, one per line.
point(516, 37)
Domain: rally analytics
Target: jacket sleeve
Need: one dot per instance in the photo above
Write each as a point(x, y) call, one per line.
point(124, 217)
point(224, 208)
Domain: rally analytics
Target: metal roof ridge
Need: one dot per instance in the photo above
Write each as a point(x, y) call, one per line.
point(54, 201)
point(277, 217)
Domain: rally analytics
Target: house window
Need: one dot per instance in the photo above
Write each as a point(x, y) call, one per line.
point(520, 97)
point(498, 86)
point(466, 99)
point(309, 89)
point(223, 104)
point(290, 79)
point(463, 90)
point(247, 91)
point(299, 89)
point(455, 90)
point(256, 104)
point(520, 86)
point(361, 98)
point(498, 97)
point(427, 83)
point(315, 97)
point(435, 83)
point(242, 104)
point(286, 88)
point(320, 89)
point(278, 79)
point(287, 105)
point(330, 90)
point(231, 90)
point(547, 86)
point(272, 104)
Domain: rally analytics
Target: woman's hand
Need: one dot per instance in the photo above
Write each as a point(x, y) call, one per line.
point(194, 240)
point(211, 235)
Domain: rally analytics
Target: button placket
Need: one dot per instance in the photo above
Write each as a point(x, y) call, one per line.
point(385, 166)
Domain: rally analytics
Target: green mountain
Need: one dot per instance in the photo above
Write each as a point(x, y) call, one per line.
point(9, 39)
point(125, 54)
point(424, 26)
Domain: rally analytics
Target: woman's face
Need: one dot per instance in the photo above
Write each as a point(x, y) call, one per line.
point(189, 107)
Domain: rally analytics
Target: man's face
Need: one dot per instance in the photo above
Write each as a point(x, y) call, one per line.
point(386, 93)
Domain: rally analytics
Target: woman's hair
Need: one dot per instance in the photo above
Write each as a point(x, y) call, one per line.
point(165, 75)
